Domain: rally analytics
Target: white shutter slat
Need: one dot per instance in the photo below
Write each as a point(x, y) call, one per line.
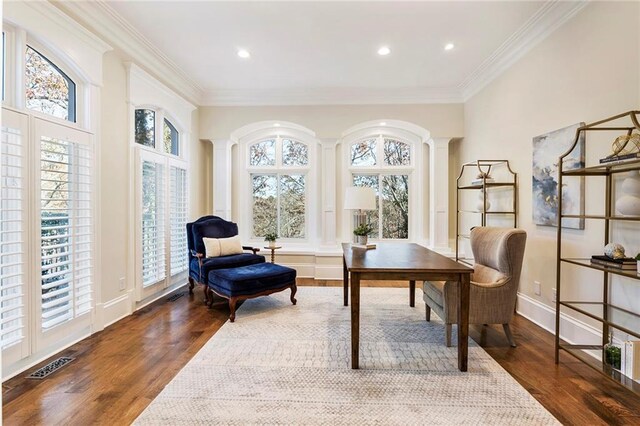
point(67, 222)
point(153, 238)
point(178, 218)
point(12, 275)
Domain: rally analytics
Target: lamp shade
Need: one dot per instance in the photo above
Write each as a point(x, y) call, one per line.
point(359, 198)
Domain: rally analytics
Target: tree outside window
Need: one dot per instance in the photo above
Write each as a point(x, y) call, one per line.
point(389, 180)
point(279, 193)
point(48, 89)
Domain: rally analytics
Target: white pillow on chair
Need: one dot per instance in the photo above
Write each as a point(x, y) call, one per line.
point(216, 247)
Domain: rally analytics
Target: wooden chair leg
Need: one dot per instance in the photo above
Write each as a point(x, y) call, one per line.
point(507, 331)
point(427, 311)
point(447, 335)
point(192, 284)
point(232, 308)
point(294, 289)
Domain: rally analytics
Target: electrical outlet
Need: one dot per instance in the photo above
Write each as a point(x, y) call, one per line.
point(536, 288)
point(122, 284)
point(553, 295)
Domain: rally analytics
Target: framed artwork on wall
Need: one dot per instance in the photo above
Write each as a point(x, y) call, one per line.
point(547, 149)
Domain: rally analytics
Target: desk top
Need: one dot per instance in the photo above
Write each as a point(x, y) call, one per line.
point(398, 257)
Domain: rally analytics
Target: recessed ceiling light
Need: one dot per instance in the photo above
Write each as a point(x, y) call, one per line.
point(449, 46)
point(383, 123)
point(384, 51)
point(243, 53)
point(276, 125)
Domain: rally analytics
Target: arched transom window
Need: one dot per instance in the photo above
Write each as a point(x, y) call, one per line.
point(48, 89)
point(278, 169)
point(384, 164)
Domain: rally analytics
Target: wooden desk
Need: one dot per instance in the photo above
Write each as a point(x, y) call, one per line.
point(403, 261)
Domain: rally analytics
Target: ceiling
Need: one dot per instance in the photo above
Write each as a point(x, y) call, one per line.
point(325, 52)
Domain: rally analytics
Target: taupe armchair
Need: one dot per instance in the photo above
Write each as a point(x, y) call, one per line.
point(498, 254)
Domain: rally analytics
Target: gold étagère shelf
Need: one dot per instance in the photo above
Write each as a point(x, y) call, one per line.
point(480, 172)
point(609, 315)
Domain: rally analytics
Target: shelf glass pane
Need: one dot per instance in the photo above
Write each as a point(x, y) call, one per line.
point(616, 317)
point(587, 262)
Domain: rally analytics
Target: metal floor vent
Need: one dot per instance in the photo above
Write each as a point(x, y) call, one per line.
point(50, 368)
point(176, 296)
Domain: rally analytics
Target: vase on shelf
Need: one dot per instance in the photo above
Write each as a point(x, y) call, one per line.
point(628, 204)
point(481, 202)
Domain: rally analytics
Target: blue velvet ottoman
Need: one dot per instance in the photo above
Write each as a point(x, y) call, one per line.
point(247, 282)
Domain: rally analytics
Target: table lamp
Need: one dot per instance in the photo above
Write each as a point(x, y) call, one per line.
point(359, 198)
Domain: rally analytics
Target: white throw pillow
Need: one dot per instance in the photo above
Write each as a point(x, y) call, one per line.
point(230, 246)
point(215, 247)
point(211, 247)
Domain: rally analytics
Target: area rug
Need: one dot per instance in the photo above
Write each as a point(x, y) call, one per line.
point(285, 364)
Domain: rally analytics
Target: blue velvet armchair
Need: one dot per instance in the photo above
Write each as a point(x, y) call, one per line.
point(199, 264)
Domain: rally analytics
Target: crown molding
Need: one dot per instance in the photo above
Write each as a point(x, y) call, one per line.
point(330, 96)
point(113, 28)
point(551, 16)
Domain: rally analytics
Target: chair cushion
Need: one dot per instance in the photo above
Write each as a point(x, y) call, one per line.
point(250, 280)
point(487, 277)
point(233, 261)
point(435, 290)
point(215, 247)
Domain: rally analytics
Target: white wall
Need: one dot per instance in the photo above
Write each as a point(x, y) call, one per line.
point(329, 121)
point(585, 71)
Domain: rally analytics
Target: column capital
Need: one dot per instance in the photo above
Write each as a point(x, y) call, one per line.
point(328, 142)
point(222, 143)
point(439, 141)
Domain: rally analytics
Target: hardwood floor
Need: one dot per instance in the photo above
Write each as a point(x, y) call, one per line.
point(120, 370)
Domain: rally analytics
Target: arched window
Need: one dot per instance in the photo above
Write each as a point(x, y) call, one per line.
point(48, 89)
point(278, 168)
point(171, 138)
point(385, 164)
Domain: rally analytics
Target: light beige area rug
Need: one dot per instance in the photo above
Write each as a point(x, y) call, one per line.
point(285, 364)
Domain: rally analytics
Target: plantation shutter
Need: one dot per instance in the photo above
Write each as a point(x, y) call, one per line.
point(153, 222)
point(66, 230)
point(178, 219)
point(13, 229)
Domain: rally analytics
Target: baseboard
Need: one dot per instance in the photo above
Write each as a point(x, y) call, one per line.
point(572, 330)
point(328, 272)
point(116, 309)
point(144, 302)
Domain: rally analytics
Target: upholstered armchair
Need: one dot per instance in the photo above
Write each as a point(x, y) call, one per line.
point(498, 254)
point(199, 264)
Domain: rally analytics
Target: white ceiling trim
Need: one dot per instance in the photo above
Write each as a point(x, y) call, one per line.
point(548, 18)
point(110, 26)
point(330, 96)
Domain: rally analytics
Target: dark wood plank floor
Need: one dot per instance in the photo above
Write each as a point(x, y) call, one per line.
point(120, 370)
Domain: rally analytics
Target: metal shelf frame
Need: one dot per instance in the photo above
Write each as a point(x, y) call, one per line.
point(608, 171)
point(483, 167)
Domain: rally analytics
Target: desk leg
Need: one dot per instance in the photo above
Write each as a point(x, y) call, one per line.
point(412, 294)
point(463, 322)
point(345, 281)
point(355, 320)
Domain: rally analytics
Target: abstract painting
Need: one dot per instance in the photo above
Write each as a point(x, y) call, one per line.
point(547, 150)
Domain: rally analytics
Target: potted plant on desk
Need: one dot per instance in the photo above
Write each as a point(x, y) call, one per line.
point(362, 233)
point(271, 237)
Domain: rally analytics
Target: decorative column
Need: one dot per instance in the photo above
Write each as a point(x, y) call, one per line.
point(222, 178)
point(439, 194)
point(328, 186)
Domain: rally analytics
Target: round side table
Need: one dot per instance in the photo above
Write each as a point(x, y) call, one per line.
point(273, 252)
